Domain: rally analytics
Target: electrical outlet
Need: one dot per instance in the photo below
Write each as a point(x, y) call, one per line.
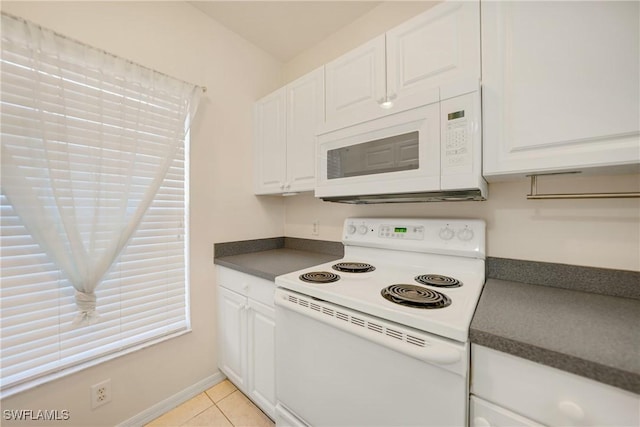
point(316, 228)
point(101, 393)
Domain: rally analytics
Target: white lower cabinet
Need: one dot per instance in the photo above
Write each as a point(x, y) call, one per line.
point(246, 335)
point(485, 414)
point(511, 391)
point(232, 327)
point(261, 355)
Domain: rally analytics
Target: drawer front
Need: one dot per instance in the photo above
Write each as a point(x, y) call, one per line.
point(256, 288)
point(548, 395)
point(485, 414)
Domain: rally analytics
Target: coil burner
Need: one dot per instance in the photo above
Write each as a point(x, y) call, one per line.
point(438, 281)
point(415, 296)
point(353, 267)
point(319, 277)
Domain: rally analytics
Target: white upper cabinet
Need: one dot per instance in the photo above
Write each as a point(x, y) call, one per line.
point(356, 85)
point(270, 144)
point(432, 56)
point(437, 51)
point(560, 86)
point(305, 114)
point(285, 126)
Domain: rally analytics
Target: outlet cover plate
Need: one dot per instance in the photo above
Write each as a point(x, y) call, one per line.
point(101, 393)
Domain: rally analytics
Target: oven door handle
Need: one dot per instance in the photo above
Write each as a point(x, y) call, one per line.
point(441, 355)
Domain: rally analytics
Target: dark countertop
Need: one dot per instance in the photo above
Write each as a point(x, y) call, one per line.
point(595, 336)
point(274, 262)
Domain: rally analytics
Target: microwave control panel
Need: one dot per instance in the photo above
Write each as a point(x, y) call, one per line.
point(460, 132)
point(457, 139)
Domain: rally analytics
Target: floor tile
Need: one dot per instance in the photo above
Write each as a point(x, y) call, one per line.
point(211, 417)
point(221, 390)
point(183, 413)
point(242, 412)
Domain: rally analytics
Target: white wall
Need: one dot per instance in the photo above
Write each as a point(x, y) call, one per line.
point(601, 233)
point(598, 233)
point(177, 39)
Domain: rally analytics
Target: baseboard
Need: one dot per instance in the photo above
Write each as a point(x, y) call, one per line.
point(171, 402)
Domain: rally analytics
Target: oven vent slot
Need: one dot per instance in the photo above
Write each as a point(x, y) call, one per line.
point(374, 327)
point(379, 328)
point(395, 334)
point(416, 341)
point(357, 321)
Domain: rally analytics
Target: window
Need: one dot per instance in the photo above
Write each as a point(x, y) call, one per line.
point(93, 203)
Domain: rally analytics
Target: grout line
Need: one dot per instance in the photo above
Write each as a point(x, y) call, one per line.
point(224, 415)
point(205, 409)
point(220, 409)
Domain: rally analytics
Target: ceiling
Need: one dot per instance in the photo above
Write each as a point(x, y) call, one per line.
point(285, 28)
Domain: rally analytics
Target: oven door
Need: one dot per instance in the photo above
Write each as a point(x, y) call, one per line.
point(399, 153)
point(338, 367)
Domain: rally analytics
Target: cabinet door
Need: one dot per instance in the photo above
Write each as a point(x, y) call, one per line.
point(437, 51)
point(232, 335)
point(560, 86)
point(261, 350)
point(270, 143)
point(355, 85)
point(305, 114)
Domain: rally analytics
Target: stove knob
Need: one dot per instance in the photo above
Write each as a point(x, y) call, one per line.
point(351, 229)
point(363, 229)
point(446, 233)
point(465, 234)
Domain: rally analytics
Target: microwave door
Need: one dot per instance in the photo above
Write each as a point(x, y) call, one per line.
point(387, 155)
point(395, 154)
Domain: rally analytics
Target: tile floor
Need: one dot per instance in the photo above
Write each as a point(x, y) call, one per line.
point(222, 406)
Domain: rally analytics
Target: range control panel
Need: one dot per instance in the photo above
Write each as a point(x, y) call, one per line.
point(401, 232)
point(458, 237)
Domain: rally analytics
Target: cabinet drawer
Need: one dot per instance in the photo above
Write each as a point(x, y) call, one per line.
point(485, 414)
point(256, 288)
point(548, 395)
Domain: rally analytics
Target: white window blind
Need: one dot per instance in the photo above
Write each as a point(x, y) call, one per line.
point(93, 202)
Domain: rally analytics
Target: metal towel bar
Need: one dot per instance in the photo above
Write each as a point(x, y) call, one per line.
point(535, 196)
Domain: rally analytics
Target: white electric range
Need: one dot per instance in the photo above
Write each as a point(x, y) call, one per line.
point(386, 325)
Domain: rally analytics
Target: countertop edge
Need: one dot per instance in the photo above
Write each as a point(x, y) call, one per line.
point(244, 269)
point(624, 380)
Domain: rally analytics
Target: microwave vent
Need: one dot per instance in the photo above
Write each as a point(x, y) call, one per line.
point(431, 196)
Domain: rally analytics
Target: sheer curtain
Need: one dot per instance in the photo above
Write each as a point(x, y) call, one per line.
point(87, 140)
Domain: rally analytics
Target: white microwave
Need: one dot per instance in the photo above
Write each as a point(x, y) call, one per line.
point(430, 153)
